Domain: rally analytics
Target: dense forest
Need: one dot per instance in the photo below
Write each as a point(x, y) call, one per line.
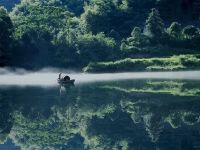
point(78, 33)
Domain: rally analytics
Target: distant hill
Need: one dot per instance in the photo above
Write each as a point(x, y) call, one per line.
point(9, 4)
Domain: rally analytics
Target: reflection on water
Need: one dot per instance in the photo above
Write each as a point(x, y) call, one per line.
point(123, 115)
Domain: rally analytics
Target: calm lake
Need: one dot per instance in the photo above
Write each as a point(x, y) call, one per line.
point(129, 111)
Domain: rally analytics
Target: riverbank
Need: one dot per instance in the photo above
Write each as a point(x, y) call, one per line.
point(174, 63)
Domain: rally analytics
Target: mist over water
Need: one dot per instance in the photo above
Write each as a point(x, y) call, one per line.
point(49, 77)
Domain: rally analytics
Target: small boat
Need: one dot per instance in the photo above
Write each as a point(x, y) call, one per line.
point(66, 82)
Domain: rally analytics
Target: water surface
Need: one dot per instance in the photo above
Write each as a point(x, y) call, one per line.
point(130, 111)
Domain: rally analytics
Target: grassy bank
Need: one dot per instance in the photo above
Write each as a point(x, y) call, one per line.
point(174, 63)
point(164, 87)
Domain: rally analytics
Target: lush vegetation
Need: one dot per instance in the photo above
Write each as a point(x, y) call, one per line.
point(181, 62)
point(74, 33)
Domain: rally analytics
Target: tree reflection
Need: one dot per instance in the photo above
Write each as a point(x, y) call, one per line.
point(116, 115)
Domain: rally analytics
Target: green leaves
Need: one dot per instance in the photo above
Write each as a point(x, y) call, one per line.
point(95, 47)
point(191, 32)
point(175, 30)
point(50, 18)
point(154, 24)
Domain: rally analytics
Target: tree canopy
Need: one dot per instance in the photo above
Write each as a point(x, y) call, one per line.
point(75, 33)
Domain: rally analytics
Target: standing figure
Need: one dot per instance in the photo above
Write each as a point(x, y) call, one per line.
point(60, 74)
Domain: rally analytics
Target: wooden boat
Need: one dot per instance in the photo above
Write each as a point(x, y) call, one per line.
point(65, 82)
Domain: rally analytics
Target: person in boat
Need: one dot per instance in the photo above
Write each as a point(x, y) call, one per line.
point(66, 78)
point(59, 77)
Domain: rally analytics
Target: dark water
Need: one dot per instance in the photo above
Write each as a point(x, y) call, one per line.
point(123, 115)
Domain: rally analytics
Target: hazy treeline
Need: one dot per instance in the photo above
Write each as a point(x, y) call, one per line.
point(73, 33)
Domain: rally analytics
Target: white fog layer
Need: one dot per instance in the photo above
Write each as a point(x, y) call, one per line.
point(50, 78)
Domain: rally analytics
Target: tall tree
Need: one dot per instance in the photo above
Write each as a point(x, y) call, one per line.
point(5, 36)
point(154, 25)
point(38, 25)
point(175, 30)
point(99, 16)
